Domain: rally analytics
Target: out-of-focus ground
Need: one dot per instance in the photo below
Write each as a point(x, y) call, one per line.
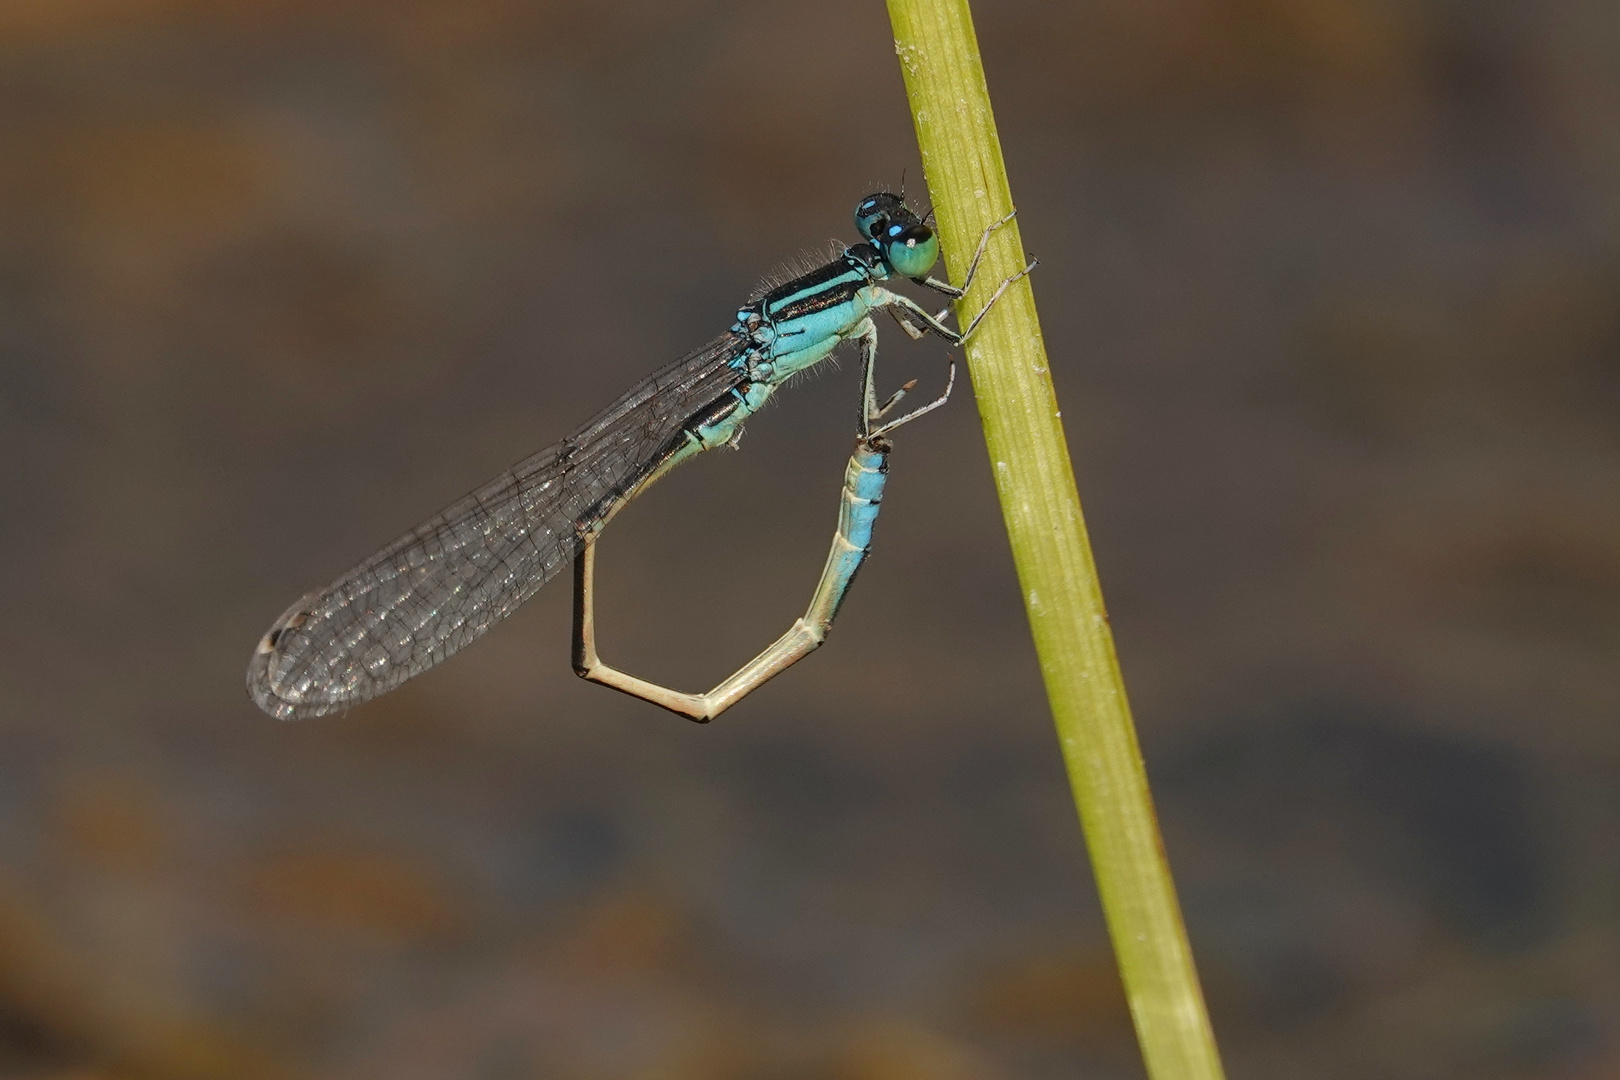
point(1332, 293)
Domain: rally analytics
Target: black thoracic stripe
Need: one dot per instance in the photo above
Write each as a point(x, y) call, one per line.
point(819, 299)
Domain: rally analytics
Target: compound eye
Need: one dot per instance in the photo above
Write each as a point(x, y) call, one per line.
point(912, 250)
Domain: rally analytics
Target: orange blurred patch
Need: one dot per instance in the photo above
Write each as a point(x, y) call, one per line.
point(626, 934)
point(902, 1051)
point(1063, 999)
point(177, 180)
point(24, 19)
point(113, 820)
point(357, 891)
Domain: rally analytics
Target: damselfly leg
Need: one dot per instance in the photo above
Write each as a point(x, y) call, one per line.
point(973, 264)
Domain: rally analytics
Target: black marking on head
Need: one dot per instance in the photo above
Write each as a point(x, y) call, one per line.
point(877, 211)
point(865, 256)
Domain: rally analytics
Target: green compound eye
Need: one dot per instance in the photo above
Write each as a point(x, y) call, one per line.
point(912, 251)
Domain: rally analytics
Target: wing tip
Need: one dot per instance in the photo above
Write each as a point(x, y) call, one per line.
point(267, 679)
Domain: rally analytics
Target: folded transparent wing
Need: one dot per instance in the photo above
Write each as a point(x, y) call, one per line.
point(442, 585)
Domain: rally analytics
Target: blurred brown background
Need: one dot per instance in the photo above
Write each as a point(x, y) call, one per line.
point(1331, 292)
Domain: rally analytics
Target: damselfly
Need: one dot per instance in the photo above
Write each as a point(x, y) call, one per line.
point(442, 585)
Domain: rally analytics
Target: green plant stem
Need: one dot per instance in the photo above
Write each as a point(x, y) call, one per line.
point(967, 180)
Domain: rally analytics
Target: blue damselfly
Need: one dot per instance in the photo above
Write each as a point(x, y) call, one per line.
point(442, 585)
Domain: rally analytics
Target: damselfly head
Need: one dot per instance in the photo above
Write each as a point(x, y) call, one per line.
point(875, 212)
point(909, 246)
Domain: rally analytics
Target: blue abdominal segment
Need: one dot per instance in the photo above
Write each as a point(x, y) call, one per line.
point(864, 478)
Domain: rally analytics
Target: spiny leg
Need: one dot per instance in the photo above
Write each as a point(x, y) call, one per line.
point(865, 337)
point(1000, 289)
point(871, 412)
point(973, 265)
point(901, 306)
point(894, 399)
